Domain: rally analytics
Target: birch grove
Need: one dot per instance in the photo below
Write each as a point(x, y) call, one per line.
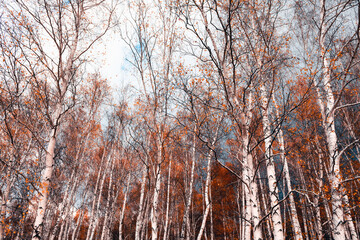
point(234, 120)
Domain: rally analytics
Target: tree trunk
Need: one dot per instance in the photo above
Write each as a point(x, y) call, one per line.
point(68, 210)
point(270, 167)
point(167, 202)
point(122, 212)
point(140, 215)
point(45, 182)
point(252, 209)
point(63, 206)
point(94, 217)
point(330, 133)
point(155, 202)
point(144, 227)
point(211, 217)
point(4, 198)
point(293, 212)
point(109, 198)
point(186, 219)
point(348, 218)
point(77, 225)
point(157, 186)
point(247, 203)
point(320, 187)
point(206, 195)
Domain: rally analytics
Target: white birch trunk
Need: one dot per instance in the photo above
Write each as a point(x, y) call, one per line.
point(77, 225)
point(66, 230)
point(93, 205)
point(167, 202)
point(247, 204)
point(241, 211)
point(139, 218)
point(63, 83)
point(293, 213)
point(276, 214)
point(80, 219)
point(144, 230)
point(349, 220)
point(68, 211)
point(306, 230)
point(155, 202)
point(122, 212)
point(334, 174)
point(5, 195)
point(252, 208)
point(93, 223)
point(4, 198)
point(254, 201)
point(211, 217)
point(330, 132)
point(45, 182)
point(270, 167)
point(320, 190)
point(294, 216)
point(109, 198)
point(206, 195)
point(186, 219)
point(63, 205)
point(70, 190)
point(318, 217)
point(68, 204)
point(62, 229)
point(108, 233)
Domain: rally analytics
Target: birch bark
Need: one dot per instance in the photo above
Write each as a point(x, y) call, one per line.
point(207, 190)
point(93, 205)
point(63, 205)
point(68, 203)
point(186, 219)
point(293, 212)
point(206, 195)
point(167, 202)
point(246, 203)
point(94, 218)
point(45, 183)
point(65, 76)
point(122, 212)
point(4, 199)
point(252, 209)
point(140, 214)
point(270, 167)
point(155, 199)
point(330, 133)
point(108, 206)
point(80, 218)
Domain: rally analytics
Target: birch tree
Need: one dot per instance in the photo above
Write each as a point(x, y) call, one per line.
point(327, 34)
point(54, 48)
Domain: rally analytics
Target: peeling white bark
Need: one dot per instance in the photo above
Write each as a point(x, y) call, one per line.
point(140, 214)
point(155, 200)
point(327, 106)
point(270, 167)
point(94, 218)
point(109, 199)
point(167, 203)
point(45, 183)
point(186, 218)
point(293, 213)
point(122, 212)
point(206, 195)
